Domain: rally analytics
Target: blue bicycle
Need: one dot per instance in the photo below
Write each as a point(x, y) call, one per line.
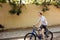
point(34, 36)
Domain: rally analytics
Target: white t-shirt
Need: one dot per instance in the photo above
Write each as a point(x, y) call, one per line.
point(42, 20)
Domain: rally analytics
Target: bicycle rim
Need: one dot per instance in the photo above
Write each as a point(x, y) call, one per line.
point(49, 36)
point(30, 36)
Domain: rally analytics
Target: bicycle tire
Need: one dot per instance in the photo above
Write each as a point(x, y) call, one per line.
point(30, 36)
point(51, 34)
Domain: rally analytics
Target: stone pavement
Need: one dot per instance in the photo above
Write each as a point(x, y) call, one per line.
point(22, 32)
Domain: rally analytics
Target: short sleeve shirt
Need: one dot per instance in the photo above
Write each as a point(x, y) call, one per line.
point(43, 20)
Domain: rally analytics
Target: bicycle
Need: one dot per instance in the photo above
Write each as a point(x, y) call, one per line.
point(33, 35)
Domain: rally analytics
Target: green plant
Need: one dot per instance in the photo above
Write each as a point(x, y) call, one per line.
point(37, 3)
point(19, 11)
point(48, 3)
point(2, 1)
point(57, 3)
point(45, 6)
point(16, 9)
point(12, 11)
point(13, 6)
point(45, 9)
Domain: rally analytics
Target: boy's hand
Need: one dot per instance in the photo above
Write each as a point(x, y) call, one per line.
point(33, 25)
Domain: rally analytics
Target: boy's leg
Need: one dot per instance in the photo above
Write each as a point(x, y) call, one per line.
point(42, 31)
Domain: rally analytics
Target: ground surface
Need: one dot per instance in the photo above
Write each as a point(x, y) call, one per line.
point(19, 34)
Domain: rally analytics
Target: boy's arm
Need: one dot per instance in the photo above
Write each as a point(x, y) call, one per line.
point(37, 24)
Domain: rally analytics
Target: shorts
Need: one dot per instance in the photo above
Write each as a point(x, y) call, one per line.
point(43, 26)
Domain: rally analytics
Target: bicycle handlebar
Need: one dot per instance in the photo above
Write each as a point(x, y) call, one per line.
point(36, 28)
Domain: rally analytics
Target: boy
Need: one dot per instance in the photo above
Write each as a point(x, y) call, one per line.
point(42, 23)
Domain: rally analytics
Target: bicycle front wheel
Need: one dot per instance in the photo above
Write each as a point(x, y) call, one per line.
point(30, 36)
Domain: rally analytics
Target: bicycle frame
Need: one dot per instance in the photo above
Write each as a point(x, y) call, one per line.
point(34, 33)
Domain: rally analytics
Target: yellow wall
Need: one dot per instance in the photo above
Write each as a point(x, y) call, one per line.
point(28, 16)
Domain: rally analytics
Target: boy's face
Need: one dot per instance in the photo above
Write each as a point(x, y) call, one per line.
point(39, 15)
